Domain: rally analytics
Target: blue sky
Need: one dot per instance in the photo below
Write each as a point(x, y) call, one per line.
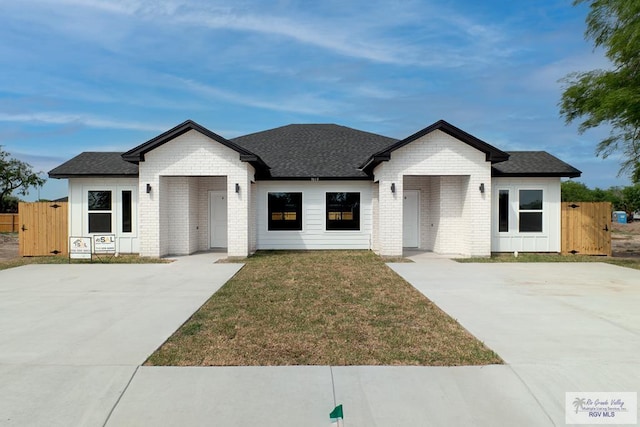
point(107, 75)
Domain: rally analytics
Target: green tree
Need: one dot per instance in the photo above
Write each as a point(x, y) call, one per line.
point(610, 97)
point(600, 195)
point(635, 176)
point(622, 198)
point(573, 191)
point(15, 176)
point(11, 204)
point(631, 198)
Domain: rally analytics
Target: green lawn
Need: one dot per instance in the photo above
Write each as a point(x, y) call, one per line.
point(527, 257)
point(320, 308)
point(59, 259)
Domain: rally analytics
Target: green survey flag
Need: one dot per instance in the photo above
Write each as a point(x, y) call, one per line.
point(336, 413)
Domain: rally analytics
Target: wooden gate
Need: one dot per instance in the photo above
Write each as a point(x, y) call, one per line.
point(586, 228)
point(43, 228)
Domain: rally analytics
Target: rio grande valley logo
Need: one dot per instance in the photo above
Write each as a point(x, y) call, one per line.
point(601, 408)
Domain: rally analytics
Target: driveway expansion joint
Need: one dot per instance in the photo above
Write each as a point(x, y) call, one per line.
point(113, 408)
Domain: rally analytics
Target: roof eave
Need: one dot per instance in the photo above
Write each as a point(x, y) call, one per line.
point(493, 154)
point(498, 174)
point(316, 178)
point(92, 175)
point(374, 161)
point(137, 154)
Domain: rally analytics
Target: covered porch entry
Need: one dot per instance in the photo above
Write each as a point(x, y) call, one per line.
point(193, 214)
point(435, 213)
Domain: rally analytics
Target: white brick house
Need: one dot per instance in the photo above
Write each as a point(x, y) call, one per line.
point(317, 187)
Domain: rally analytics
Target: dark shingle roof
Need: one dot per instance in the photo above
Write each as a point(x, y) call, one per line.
point(314, 150)
point(95, 164)
point(534, 163)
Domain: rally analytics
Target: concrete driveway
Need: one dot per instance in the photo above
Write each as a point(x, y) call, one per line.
point(560, 326)
point(72, 336)
point(72, 339)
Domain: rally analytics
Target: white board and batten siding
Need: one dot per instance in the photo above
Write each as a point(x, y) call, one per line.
point(512, 240)
point(79, 215)
point(314, 234)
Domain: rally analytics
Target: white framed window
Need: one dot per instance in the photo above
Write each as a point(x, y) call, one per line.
point(284, 211)
point(503, 210)
point(111, 210)
point(100, 211)
point(126, 207)
point(342, 211)
point(530, 211)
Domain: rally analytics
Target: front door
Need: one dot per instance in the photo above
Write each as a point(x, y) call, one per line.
point(410, 219)
point(217, 219)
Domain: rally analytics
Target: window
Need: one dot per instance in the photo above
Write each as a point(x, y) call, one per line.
point(503, 211)
point(343, 211)
point(530, 215)
point(99, 203)
point(127, 211)
point(285, 211)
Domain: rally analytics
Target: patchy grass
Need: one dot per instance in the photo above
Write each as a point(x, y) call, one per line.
point(320, 308)
point(623, 262)
point(122, 259)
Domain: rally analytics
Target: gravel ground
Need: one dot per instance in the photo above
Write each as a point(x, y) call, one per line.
point(625, 239)
point(8, 246)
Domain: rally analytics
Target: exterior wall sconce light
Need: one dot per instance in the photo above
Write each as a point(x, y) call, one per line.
point(237, 187)
point(393, 187)
point(148, 188)
point(481, 188)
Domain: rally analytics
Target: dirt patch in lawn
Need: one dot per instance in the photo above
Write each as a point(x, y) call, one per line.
point(8, 246)
point(320, 308)
point(625, 239)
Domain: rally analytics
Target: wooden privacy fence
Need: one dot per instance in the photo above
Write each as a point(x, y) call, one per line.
point(9, 223)
point(43, 228)
point(586, 228)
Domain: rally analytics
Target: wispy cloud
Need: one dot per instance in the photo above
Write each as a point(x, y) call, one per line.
point(549, 76)
point(56, 118)
point(303, 103)
point(99, 74)
point(374, 36)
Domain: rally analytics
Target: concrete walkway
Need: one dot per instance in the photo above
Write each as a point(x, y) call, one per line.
point(72, 339)
point(72, 336)
point(560, 326)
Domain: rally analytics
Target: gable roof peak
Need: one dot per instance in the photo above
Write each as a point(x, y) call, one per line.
point(492, 153)
point(136, 155)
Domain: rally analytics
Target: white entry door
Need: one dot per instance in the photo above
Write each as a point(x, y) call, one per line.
point(410, 219)
point(217, 219)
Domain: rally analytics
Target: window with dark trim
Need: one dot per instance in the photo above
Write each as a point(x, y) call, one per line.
point(530, 214)
point(343, 211)
point(127, 210)
point(285, 211)
point(99, 207)
point(503, 211)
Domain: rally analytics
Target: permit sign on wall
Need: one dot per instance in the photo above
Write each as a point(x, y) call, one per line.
point(80, 247)
point(104, 244)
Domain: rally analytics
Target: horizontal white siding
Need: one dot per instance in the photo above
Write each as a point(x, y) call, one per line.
point(546, 241)
point(79, 216)
point(314, 234)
